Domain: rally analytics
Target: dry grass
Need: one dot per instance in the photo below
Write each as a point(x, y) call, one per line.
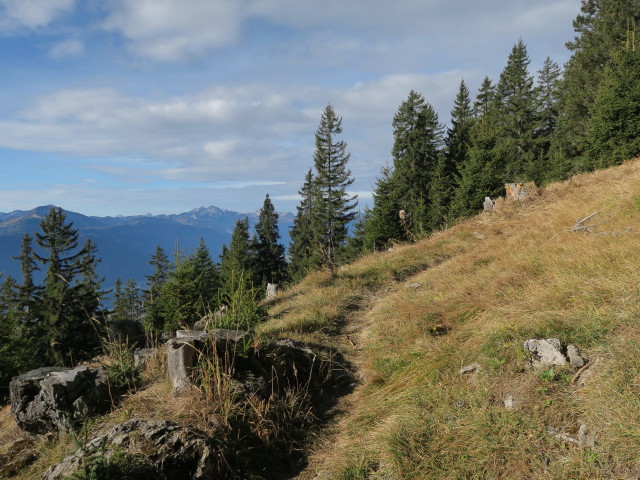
point(487, 285)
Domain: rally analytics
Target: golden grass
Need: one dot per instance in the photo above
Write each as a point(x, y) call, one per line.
point(487, 285)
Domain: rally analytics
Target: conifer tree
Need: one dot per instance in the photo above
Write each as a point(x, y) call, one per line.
point(270, 265)
point(516, 119)
point(417, 139)
point(614, 131)
point(601, 30)
point(71, 294)
point(119, 301)
point(332, 208)
point(237, 258)
point(547, 95)
point(458, 138)
point(383, 225)
point(480, 175)
point(303, 251)
point(153, 301)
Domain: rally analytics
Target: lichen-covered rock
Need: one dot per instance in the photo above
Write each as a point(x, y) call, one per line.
point(545, 353)
point(58, 399)
point(159, 449)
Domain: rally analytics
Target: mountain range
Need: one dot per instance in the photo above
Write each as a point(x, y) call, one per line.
point(126, 243)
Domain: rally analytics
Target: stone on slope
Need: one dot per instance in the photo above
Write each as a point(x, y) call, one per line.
point(545, 353)
point(152, 449)
point(58, 399)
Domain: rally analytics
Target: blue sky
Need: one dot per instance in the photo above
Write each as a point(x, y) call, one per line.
point(160, 106)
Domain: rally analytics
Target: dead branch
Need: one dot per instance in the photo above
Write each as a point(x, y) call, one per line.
point(580, 227)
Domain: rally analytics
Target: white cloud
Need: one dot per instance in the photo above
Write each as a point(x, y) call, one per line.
point(170, 30)
point(68, 48)
point(32, 14)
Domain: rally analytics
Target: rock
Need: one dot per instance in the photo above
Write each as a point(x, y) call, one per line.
point(488, 204)
point(183, 352)
point(272, 290)
point(576, 360)
point(545, 353)
point(509, 402)
point(586, 438)
point(414, 285)
point(142, 355)
point(515, 191)
point(127, 332)
point(473, 368)
point(159, 449)
point(58, 399)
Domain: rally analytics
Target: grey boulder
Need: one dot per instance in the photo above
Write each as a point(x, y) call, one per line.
point(58, 399)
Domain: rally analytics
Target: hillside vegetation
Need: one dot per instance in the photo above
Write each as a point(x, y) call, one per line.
point(485, 286)
point(410, 318)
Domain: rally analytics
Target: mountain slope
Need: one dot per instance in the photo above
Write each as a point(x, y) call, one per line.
point(414, 316)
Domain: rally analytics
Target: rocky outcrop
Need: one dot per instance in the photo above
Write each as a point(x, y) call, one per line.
point(58, 399)
point(159, 449)
point(550, 352)
point(184, 350)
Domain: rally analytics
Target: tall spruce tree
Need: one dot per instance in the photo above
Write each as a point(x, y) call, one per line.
point(547, 97)
point(480, 175)
point(614, 131)
point(417, 140)
point(237, 259)
point(270, 265)
point(332, 208)
point(514, 151)
point(152, 298)
point(303, 251)
point(601, 30)
point(71, 294)
point(383, 225)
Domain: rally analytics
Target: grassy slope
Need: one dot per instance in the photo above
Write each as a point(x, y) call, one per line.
point(487, 285)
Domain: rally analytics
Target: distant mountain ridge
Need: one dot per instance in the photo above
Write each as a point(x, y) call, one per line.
point(125, 243)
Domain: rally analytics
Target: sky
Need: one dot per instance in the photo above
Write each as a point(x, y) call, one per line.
point(128, 107)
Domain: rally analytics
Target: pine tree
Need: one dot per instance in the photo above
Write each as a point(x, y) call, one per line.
point(119, 301)
point(303, 251)
point(601, 29)
point(447, 175)
point(547, 93)
point(458, 138)
point(207, 280)
point(332, 208)
point(417, 140)
point(237, 258)
point(514, 152)
point(270, 265)
point(614, 131)
point(70, 296)
point(153, 303)
point(480, 175)
point(383, 226)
